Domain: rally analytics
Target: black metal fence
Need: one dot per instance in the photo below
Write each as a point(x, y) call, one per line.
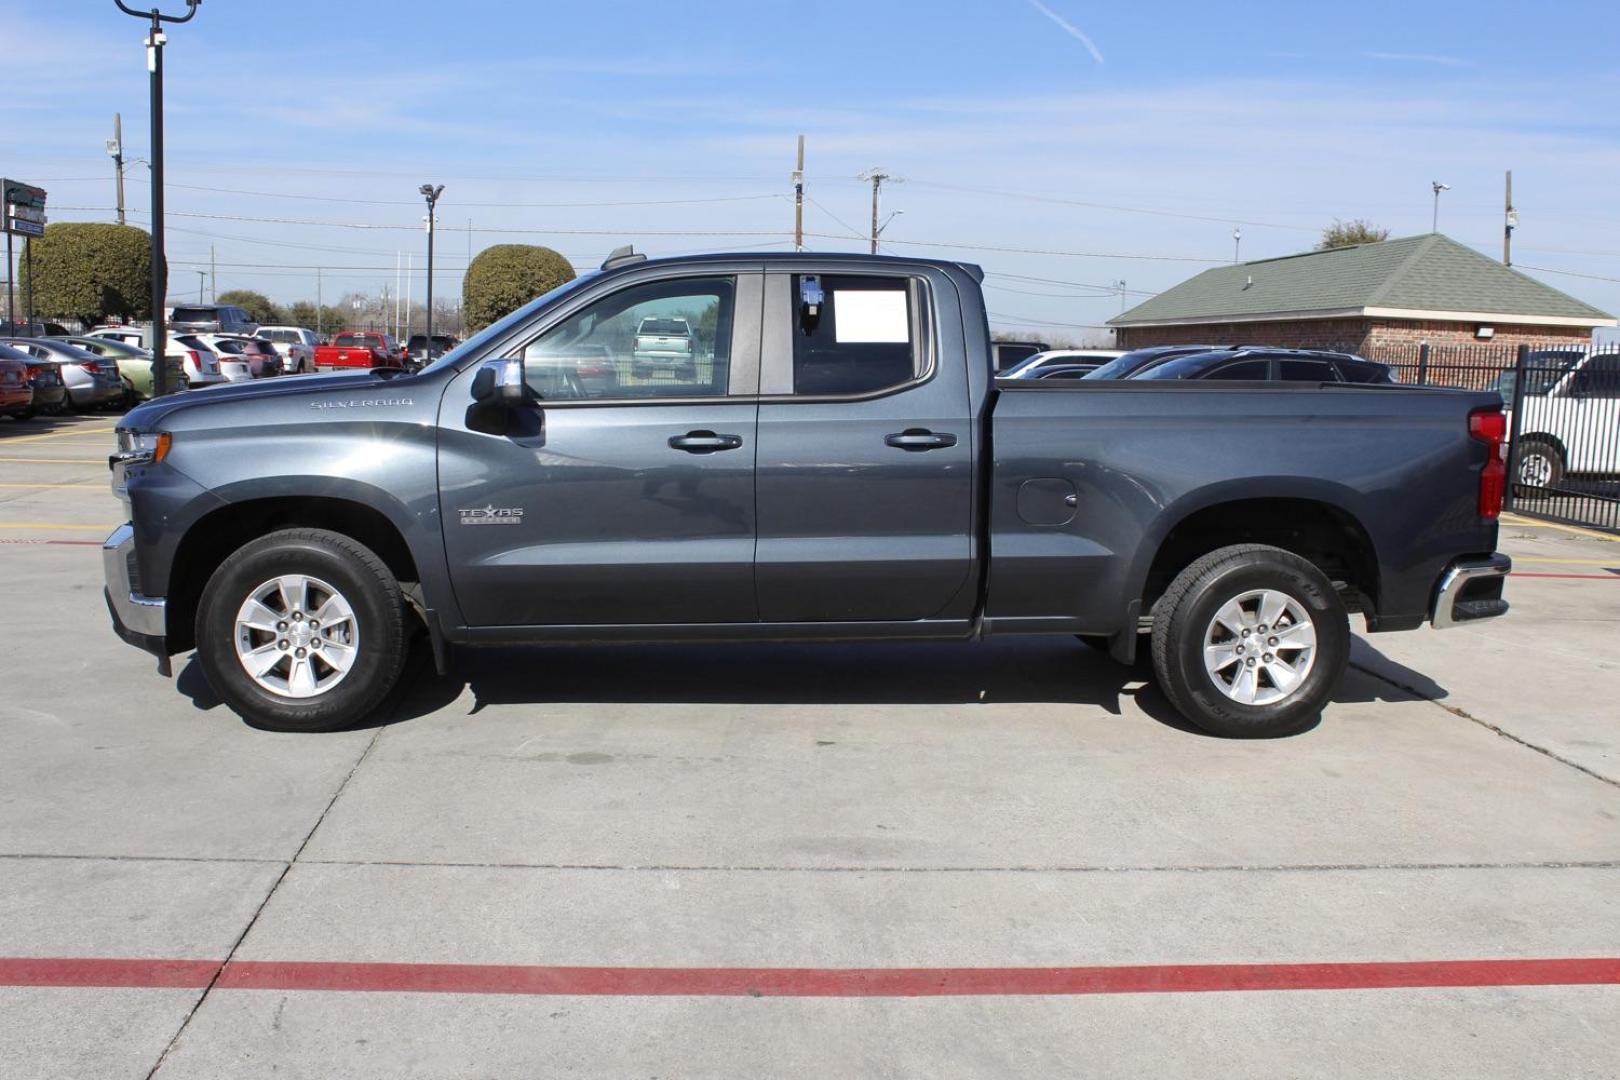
point(1564, 429)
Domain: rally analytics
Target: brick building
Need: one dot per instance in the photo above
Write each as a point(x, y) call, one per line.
point(1368, 299)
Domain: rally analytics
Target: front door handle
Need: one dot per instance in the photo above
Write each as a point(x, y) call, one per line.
point(916, 439)
point(704, 442)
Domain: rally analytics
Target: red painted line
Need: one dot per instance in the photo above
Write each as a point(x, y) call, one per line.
point(1569, 577)
point(808, 982)
point(146, 974)
point(20, 540)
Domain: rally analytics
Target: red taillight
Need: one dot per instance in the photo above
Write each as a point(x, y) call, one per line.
point(91, 367)
point(34, 373)
point(1489, 426)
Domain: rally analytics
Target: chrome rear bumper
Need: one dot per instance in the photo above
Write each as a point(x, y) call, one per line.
point(1470, 590)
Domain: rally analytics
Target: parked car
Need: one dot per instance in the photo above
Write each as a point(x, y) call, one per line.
point(45, 378)
point(295, 344)
point(16, 396)
point(92, 381)
point(234, 368)
point(359, 350)
point(860, 477)
point(418, 353)
point(201, 364)
point(210, 319)
point(1567, 418)
point(134, 363)
point(262, 360)
point(1088, 359)
point(663, 344)
point(37, 328)
point(1260, 365)
point(1062, 371)
point(1128, 364)
point(1009, 354)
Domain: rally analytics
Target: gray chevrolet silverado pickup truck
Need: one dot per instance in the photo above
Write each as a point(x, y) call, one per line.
point(839, 464)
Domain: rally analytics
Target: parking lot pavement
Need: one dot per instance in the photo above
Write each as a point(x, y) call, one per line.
point(815, 821)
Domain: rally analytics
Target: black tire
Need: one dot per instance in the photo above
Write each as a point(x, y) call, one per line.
point(25, 414)
point(379, 613)
point(1538, 456)
point(1185, 612)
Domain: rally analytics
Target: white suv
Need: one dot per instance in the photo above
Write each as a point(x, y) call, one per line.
point(295, 344)
point(202, 366)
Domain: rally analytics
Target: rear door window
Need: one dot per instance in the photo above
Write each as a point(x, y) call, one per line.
point(863, 338)
point(1243, 370)
point(1306, 371)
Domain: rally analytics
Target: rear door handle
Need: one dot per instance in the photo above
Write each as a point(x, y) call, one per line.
point(920, 439)
point(704, 442)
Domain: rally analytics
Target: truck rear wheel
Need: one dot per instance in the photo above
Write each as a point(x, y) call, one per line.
point(302, 630)
point(1250, 641)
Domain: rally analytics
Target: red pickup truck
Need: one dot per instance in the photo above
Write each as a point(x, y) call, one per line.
point(359, 349)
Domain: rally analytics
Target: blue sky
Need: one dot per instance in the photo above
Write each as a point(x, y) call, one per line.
point(1078, 144)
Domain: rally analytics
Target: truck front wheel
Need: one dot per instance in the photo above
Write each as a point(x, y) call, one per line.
point(1250, 641)
point(302, 630)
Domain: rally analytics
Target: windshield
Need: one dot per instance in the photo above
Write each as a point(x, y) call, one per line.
point(1121, 366)
point(501, 327)
point(1182, 367)
point(193, 314)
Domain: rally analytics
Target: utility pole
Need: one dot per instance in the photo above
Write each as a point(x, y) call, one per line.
point(1438, 188)
point(320, 306)
point(115, 150)
point(798, 200)
point(213, 275)
point(398, 262)
point(409, 272)
point(155, 40)
point(1510, 221)
point(1237, 243)
point(877, 177)
point(431, 194)
point(1120, 285)
point(202, 276)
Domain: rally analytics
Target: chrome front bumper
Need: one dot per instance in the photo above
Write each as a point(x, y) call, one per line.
point(1470, 590)
point(139, 620)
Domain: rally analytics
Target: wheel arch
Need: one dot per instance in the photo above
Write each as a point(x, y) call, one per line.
point(1311, 522)
point(214, 536)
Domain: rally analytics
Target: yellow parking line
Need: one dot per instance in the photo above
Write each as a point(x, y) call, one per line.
point(1515, 519)
point(50, 525)
point(74, 434)
point(102, 461)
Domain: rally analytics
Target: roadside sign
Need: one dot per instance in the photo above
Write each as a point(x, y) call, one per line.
point(24, 206)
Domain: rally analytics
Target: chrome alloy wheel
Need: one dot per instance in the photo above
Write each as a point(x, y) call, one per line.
point(1259, 647)
point(296, 636)
point(1535, 468)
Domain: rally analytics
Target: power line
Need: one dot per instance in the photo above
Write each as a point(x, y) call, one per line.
point(1565, 273)
point(1055, 200)
point(1021, 321)
point(479, 205)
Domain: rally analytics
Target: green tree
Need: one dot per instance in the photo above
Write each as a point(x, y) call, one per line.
point(505, 277)
point(1350, 233)
point(328, 319)
point(91, 271)
point(260, 308)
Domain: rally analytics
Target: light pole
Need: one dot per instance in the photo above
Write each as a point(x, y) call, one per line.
point(1438, 188)
point(202, 278)
point(154, 65)
point(115, 150)
point(431, 194)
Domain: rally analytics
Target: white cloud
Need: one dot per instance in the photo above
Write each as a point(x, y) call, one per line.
point(1418, 58)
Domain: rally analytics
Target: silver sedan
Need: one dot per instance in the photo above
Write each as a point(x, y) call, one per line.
point(92, 381)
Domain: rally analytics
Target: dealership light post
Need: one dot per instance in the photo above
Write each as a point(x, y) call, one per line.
point(431, 194)
point(155, 41)
point(1438, 188)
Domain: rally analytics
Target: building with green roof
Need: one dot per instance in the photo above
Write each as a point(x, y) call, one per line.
point(1370, 299)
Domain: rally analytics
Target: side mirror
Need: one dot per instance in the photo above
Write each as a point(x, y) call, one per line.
point(498, 392)
point(500, 382)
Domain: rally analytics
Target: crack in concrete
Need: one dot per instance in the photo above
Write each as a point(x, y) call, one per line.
point(1487, 725)
point(230, 954)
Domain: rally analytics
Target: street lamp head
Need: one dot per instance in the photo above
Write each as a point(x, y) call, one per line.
point(431, 193)
point(1439, 187)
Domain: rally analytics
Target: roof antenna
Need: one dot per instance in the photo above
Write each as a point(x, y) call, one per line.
point(622, 256)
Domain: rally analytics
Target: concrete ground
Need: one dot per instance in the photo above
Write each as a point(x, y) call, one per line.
point(1020, 805)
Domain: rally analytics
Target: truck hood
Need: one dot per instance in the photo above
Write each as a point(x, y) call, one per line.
point(150, 416)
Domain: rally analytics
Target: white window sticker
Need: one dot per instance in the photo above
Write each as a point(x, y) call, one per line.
point(864, 315)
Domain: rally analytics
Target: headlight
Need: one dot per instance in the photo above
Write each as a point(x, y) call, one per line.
point(142, 447)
